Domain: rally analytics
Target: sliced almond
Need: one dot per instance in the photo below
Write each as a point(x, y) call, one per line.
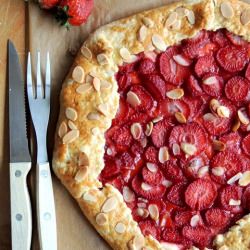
point(176, 25)
point(176, 149)
point(81, 174)
point(194, 220)
point(218, 171)
point(86, 52)
point(209, 117)
point(210, 80)
point(163, 155)
point(203, 171)
point(142, 34)
point(140, 211)
point(175, 94)
point(245, 179)
point(171, 19)
point(110, 204)
point(181, 60)
point(180, 117)
point(153, 211)
point(223, 112)
point(219, 145)
point(242, 115)
point(236, 125)
point(167, 183)
point(62, 130)
point(149, 128)
point(97, 84)
point(148, 22)
point(152, 167)
point(182, 12)
point(145, 186)
point(83, 159)
point(139, 241)
point(233, 202)
point(136, 130)
point(151, 55)
point(158, 42)
point(94, 131)
point(157, 119)
point(101, 219)
point(245, 17)
point(125, 54)
point(109, 151)
point(235, 178)
point(83, 88)
point(71, 114)
point(72, 125)
point(133, 99)
point(141, 205)
point(226, 9)
point(78, 74)
point(120, 228)
point(103, 109)
point(214, 104)
point(105, 84)
point(191, 17)
point(128, 194)
point(144, 142)
point(70, 136)
point(93, 116)
point(188, 148)
point(89, 197)
point(102, 59)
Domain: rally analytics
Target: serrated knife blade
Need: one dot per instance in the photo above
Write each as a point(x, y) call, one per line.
point(20, 161)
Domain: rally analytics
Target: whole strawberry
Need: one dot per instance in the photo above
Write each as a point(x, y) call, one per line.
point(74, 12)
point(48, 4)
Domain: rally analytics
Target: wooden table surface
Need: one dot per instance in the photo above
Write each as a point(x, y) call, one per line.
point(12, 26)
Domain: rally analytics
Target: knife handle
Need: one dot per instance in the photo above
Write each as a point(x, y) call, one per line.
point(46, 216)
point(21, 218)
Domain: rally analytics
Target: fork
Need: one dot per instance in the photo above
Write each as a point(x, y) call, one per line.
point(39, 105)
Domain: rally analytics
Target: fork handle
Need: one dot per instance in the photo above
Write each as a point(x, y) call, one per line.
point(46, 216)
point(21, 222)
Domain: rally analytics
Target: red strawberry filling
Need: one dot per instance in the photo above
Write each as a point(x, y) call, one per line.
point(180, 142)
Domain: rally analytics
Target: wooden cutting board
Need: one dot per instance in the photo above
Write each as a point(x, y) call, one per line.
point(74, 231)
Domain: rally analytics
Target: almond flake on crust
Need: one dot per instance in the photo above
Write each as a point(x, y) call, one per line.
point(101, 219)
point(226, 9)
point(120, 228)
point(158, 42)
point(78, 74)
point(142, 34)
point(110, 204)
point(86, 52)
point(245, 17)
point(70, 136)
point(102, 59)
point(62, 130)
point(81, 174)
point(172, 18)
point(71, 114)
point(148, 22)
point(83, 88)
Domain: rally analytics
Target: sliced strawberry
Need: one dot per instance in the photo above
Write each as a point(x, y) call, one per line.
point(169, 107)
point(160, 133)
point(151, 154)
point(220, 38)
point(172, 235)
point(193, 86)
point(147, 102)
point(148, 227)
point(191, 133)
point(217, 217)
point(127, 67)
point(235, 40)
point(110, 170)
point(152, 178)
point(124, 82)
point(200, 194)
point(154, 192)
point(146, 66)
point(122, 113)
point(170, 70)
point(176, 194)
point(155, 85)
point(237, 88)
point(134, 77)
point(246, 199)
point(138, 117)
point(229, 194)
point(183, 218)
point(246, 145)
point(232, 141)
point(247, 74)
point(137, 149)
point(117, 182)
point(172, 171)
point(201, 36)
point(204, 65)
point(125, 160)
point(232, 59)
point(200, 235)
point(212, 84)
point(231, 164)
point(122, 138)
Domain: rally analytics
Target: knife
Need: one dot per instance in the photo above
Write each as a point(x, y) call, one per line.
point(20, 161)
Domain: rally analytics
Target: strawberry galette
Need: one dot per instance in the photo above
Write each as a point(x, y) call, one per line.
point(153, 138)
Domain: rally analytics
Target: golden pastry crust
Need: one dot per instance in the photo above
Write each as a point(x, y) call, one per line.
point(89, 101)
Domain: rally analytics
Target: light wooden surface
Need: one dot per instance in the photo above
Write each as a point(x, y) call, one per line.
point(12, 26)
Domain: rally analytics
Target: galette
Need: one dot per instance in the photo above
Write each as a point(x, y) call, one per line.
point(153, 137)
